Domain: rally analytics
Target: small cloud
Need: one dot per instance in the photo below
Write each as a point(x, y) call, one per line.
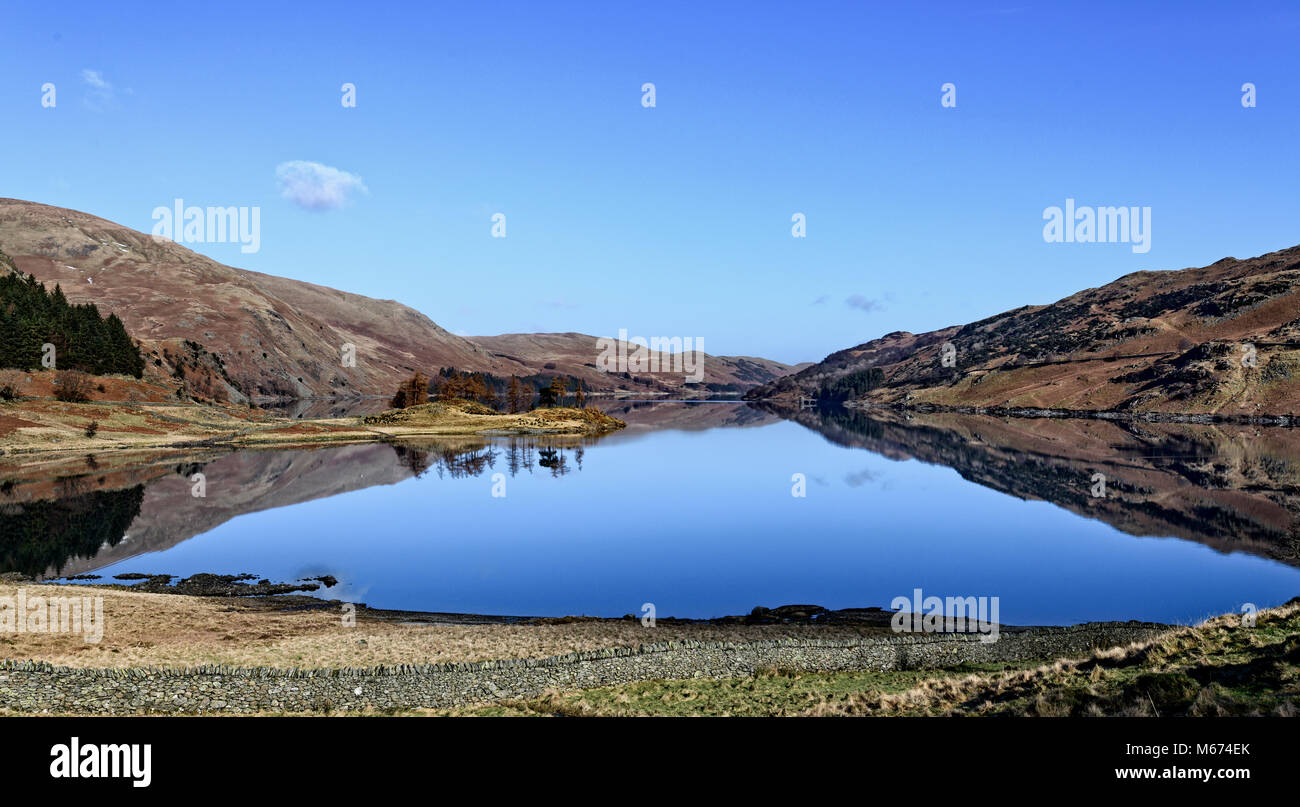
point(316, 187)
point(559, 302)
point(99, 92)
point(95, 79)
point(857, 480)
point(821, 299)
point(863, 303)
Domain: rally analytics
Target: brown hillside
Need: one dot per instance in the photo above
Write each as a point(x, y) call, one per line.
point(1171, 342)
point(244, 334)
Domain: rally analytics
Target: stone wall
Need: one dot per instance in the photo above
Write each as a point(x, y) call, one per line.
point(27, 686)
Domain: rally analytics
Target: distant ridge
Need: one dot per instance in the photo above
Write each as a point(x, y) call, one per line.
point(1222, 339)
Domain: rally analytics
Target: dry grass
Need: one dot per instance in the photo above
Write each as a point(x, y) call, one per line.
point(55, 426)
point(169, 630)
point(1217, 668)
point(48, 426)
point(467, 417)
point(771, 693)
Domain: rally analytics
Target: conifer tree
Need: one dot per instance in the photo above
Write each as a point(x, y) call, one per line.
point(31, 317)
point(515, 399)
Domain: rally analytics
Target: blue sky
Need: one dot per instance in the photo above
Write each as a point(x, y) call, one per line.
point(674, 220)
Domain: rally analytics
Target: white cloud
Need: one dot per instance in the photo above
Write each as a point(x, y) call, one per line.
point(99, 92)
point(316, 187)
point(95, 79)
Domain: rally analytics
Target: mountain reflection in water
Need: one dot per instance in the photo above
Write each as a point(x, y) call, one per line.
point(691, 507)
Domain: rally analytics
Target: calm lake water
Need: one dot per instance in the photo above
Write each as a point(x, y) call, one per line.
point(692, 509)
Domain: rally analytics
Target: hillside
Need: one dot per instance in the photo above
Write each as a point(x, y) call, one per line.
point(238, 334)
point(32, 317)
point(576, 354)
point(272, 337)
point(1172, 341)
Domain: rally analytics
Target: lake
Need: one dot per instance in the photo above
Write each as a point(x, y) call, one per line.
point(691, 509)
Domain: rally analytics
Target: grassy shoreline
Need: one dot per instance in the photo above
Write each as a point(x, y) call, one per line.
point(43, 427)
point(1217, 669)
point(1220, 667)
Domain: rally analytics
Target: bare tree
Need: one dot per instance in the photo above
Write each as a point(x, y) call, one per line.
point(515, 397)
point(72, 386)
point(412, 392)
point(11, 382)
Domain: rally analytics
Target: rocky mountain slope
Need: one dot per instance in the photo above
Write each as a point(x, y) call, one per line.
point(1222, 339)
point(239, 334)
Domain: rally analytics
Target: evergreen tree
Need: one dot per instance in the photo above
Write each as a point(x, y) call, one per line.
point(552, 395)
point(31, 317)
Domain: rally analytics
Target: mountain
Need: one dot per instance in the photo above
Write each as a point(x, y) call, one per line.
point(271, 337)
point(578, 355)
point(237, 334)
point(1221, 339)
